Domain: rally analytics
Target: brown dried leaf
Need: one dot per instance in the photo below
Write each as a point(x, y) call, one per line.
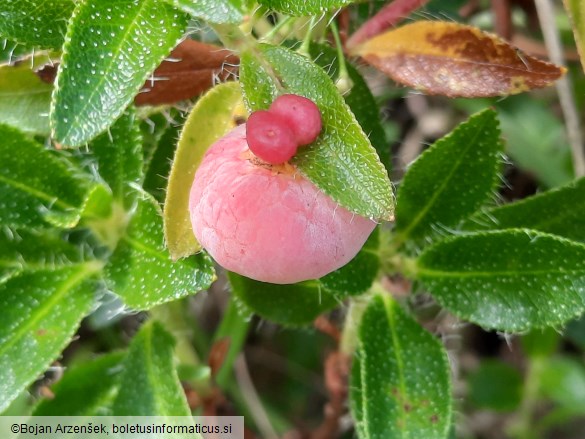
point(451, 59)
point(191, 69)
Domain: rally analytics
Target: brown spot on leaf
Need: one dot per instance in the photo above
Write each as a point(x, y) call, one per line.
point(455, 60)
point(217, 354)
point(434, 418)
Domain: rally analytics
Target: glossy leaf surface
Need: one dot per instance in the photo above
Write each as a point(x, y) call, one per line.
point(149, 385)
point(450, 180)
point(511, 280)
point(38, 23)
point(36, 186)
point(451, 59)
point(400, 385)
point(559, 211)
point(141, 270)
point(111, 48)
point(42, 311)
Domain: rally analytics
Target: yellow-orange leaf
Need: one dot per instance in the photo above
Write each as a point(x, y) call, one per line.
point(455, 60)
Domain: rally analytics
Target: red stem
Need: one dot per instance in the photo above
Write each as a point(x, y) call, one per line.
point(389, 15)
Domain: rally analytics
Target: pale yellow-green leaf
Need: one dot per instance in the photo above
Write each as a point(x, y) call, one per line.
point(211, 118)
point(576, 10)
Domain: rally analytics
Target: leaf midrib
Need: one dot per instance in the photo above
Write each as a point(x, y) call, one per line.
point(499, 273)
point(84, 271)
point(98, 87)
point(52, 199)
point(401, 236)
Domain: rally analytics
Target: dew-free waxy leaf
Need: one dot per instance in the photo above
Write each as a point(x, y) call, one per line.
point(141, 270)
point(149, 385)
point(39, 23)
point(111, 48)
point(87, 389)
point(450, 180)
point(191, 69)
point(214, 11)
point(24, 98)
point(400, 385)
point(341, 162)
point(212, 117)
point(41, 312)
point(451, 59)
point(307, 7)
point(37, 187)
point(560, 211)
point(512, 280)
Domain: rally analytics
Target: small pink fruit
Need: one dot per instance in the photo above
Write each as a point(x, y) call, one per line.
point(302, 115)
point(270, 137)
point(269, 223)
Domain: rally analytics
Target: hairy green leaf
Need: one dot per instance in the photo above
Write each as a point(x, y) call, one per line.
point(141, 270)
point(211, 118)
point(87, 389)
point(24, 98)
point(28, 250)
point(450, 180)
point(511, 280)
point(41, 312)
point(341, 162)
point(111, 48)
point(214, 11)
point(38, 23)
point(293, 304)
point(36, 185)
point(400, 386)
point(307, 7)
point(560, 211)
point(118, 156)
point(359, 98)
point(149, 385)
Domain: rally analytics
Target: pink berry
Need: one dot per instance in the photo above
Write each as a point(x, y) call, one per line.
point(302, 115)
point(269, 223)
point(270, 137)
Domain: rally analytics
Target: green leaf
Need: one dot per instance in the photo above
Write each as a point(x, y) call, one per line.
point(111, 48)
point(87, 389)
point(400, 386)
point(41, 312)
point(307, 7)
point(292, 304)
point(360, 100)
point(141, 270)
point(341, 162)
point(214, 11)
point(211, 118)
point(450, 180)
point(575, 332)
point(536, 139)
point(118, 156)
point(27, 250)
point(559, 211)
point(511, 280)
point(496, 386)
point(563, 381)
point(36, 185)
point(35, 22)
point(358, 274)
point(149, 385)
point(160, 148)
point(24, 98)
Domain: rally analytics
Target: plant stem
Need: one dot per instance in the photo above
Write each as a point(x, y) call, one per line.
point(304, 49)
point(344, 82)
point(523, 428)
point(274, 32)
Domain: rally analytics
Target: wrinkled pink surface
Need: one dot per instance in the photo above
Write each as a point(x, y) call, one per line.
point(269, 226)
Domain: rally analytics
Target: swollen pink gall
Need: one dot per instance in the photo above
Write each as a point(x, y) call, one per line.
point(269, 223)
